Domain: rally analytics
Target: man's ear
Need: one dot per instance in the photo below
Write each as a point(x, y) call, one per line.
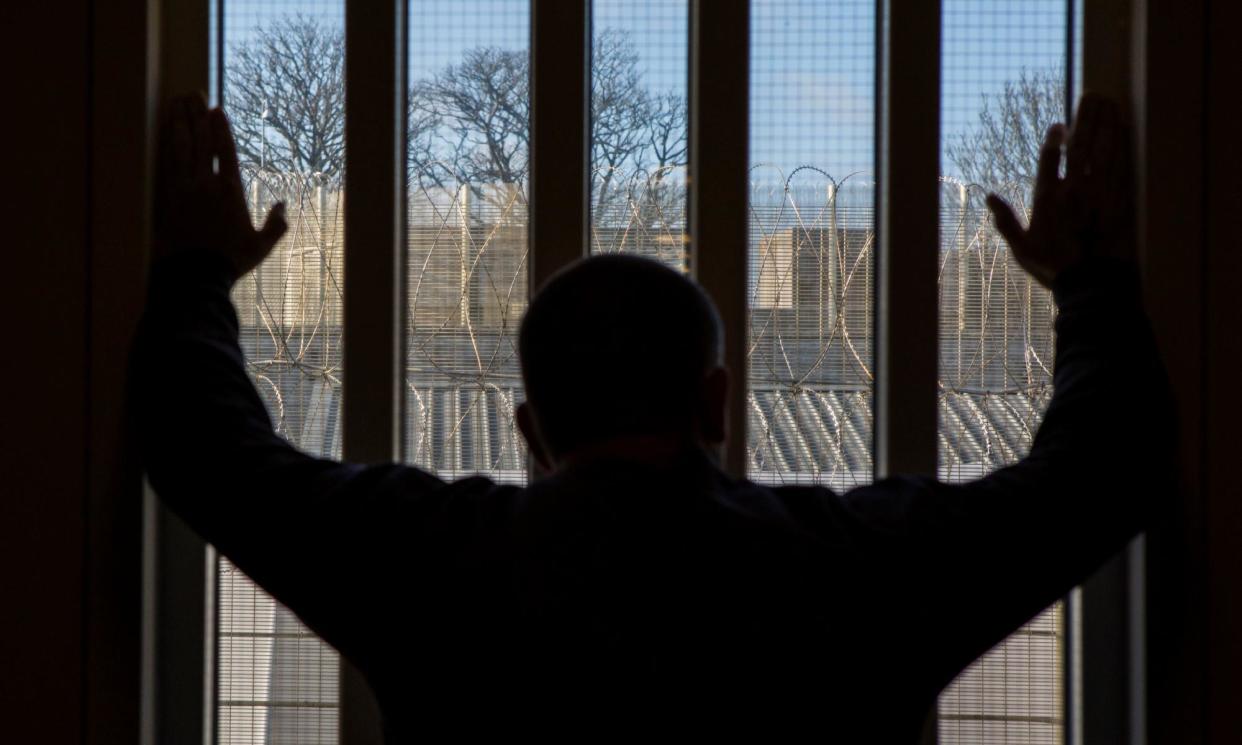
point(526, 423)
point(714, 415)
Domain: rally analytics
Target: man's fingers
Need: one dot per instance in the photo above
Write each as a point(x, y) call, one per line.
point(273, 228)
point(1047, 174)
point(1007, 222)
point(225, 149)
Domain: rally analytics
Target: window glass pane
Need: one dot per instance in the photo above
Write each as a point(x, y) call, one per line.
point(1003, 84)
point(283, 87)
point(639, 64)
point(812, 116)
point(467, 181)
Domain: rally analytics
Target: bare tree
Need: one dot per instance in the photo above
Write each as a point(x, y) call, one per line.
point(467, 124)
point(1002, 149)
point(480, 110)
point(666, 131)
point(620, 111)
point(286, 98)
point(422, 123)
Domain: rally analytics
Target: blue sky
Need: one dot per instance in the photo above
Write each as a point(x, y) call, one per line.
point(812, 61)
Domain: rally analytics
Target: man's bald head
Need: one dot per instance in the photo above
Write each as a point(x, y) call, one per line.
point(614, 346)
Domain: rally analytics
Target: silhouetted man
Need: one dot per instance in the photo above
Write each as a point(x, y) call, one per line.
point(637, 584)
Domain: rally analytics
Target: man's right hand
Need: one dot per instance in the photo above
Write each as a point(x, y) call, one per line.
point(1086, 213)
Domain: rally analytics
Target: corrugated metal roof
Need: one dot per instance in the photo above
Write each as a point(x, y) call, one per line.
point(825, 434)
point(796, 433)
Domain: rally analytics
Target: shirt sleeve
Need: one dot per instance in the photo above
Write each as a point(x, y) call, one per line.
point(954, 568)
point(322, 537)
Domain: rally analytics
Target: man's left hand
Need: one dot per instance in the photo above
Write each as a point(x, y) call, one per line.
point(201, 203)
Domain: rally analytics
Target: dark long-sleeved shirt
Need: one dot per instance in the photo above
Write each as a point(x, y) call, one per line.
point(615, 594)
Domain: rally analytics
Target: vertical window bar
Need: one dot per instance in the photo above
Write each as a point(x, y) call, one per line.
point(374, 219)
point(719, 158)
point(374, 82)
point(179, 568)
point(1072, 73)
point(907, 142)
point(907, 225)
point(1102, 697)
point(1071, 652)
point(560, 126)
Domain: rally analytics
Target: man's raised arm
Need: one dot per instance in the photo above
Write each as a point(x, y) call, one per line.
point(315, 533)
point(962, 566)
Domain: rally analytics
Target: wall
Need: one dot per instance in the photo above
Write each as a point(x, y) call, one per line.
point(76, 122)
point(44, 378)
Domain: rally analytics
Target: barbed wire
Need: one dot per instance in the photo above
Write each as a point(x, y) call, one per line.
point(811, 327)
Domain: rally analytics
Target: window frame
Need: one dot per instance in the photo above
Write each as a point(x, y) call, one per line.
point(373, 341)
point(1104, 654)
point(180, 568)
